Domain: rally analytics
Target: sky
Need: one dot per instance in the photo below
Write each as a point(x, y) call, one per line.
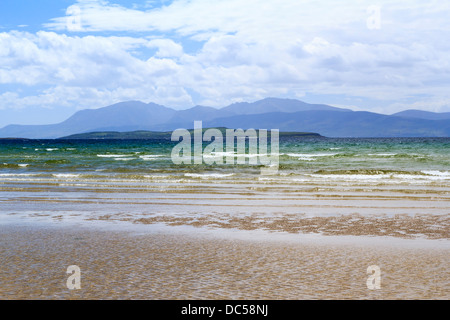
point(61, 56)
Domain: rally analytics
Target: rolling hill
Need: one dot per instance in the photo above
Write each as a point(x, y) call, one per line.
point(420, 114)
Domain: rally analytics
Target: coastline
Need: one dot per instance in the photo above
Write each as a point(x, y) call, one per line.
point(141, 228)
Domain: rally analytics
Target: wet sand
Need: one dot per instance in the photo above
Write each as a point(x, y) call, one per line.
point(405, 226)
point(157, 265)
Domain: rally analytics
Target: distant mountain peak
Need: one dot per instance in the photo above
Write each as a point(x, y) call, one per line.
point(269, 113)
point(421, 114)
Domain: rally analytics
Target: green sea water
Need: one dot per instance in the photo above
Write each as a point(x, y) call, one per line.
point(95, 179)
point(315, 156)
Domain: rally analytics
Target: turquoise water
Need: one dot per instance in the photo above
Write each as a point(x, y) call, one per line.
point(424, 157)
point(134, 179)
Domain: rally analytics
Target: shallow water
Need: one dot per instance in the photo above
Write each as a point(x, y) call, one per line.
point(397, 187)
point(346, 190)
point(116, 265)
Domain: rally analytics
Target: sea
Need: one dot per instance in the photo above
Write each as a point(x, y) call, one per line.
point(342, 182)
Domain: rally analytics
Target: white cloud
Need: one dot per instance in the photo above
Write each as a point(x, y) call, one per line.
point(252, 19)
point(86, 70)
point(47, 58)
point(247, 50)
point(166, 48)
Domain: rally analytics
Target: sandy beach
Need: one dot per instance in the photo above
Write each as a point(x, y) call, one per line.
point(177, 265)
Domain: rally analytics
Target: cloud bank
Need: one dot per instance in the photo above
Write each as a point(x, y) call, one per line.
point(183, 53)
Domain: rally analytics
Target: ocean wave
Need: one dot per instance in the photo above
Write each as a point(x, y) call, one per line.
point(208, 175)
point(148, 176)
point(65, 175)
point(283, 179)
point(371, 172)
point(15, 165)
point(151, 157)
point(308, 156)
point(218, 155)
point(56, 161)
point(113, 155)
point(437, 174)
point(382, 154)
point(311, 155)
point(389, 176)
point(18, 174)
point(307, 159)
point(235, 155)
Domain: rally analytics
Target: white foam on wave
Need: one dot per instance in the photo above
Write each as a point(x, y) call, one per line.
point(309, 156)
point(391, 178)
point(218, 155)
point(236, 154)
point(362, 177)
point(17, 174)
point(148, 176)
point(437, 174)
point(124, 159)
point(51, 149)
point(208, 175)
point(65, 175)
point(283, 179)
point(112, 155)
point(22, 165)
point(150, 157)
point(222, 153)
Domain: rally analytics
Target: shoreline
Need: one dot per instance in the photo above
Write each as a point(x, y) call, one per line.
point(135, 227)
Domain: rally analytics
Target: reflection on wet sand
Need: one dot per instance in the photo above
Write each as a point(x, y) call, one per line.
point(117, 265)
point(399, 225)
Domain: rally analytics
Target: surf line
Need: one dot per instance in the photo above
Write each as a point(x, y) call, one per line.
point(235, 147)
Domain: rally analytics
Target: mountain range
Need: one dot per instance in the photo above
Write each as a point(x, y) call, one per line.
point(270, 113)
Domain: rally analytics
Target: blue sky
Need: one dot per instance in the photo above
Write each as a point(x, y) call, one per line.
point(60, 56)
